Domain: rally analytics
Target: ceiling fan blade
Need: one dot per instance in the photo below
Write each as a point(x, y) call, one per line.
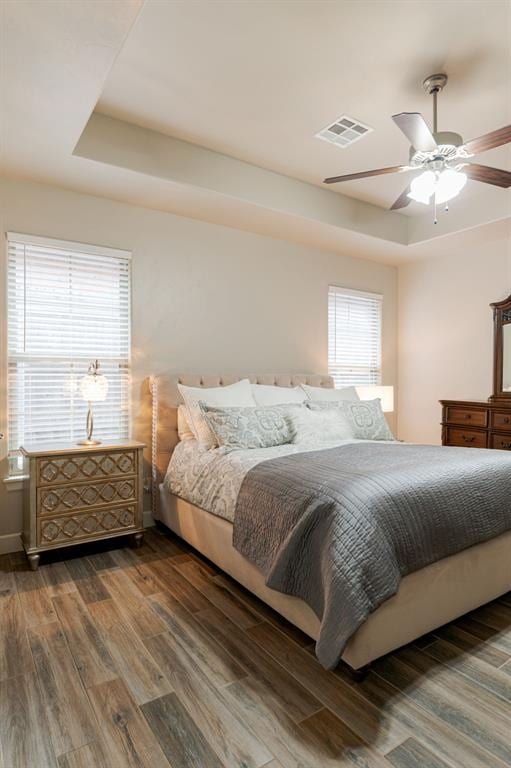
point(416, 131)
point(495, 176)
point(403, 200)
point(365, 174)
point(489, 140)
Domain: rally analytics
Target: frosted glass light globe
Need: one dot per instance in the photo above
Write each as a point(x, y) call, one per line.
point(94, 387)
point(422, 187)
point(449, 184)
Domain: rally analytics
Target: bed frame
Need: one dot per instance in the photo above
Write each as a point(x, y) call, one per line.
point(426, 599)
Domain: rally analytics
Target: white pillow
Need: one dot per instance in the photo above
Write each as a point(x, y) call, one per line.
point(327, 394)
point(184, 429)
point(266, 394)
point(232, 395)
point(320, 426)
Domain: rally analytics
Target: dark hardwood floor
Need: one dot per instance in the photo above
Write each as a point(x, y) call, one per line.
point(151, 658)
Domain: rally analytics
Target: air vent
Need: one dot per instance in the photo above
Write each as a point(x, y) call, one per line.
point(345, 131)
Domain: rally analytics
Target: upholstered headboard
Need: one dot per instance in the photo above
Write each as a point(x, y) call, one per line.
point(166, 398)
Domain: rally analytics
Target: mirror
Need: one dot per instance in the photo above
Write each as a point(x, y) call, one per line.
point(506, 358)
point(502, 350)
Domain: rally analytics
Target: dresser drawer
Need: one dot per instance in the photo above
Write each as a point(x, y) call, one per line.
point(53, 500)
point(52, 470)
point(501, 420)
point(469, 416)
point(466, 437)
point(501, 442)
point(97, 523)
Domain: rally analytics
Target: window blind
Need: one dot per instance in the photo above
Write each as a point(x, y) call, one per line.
point(67, 304)
point(354, 337)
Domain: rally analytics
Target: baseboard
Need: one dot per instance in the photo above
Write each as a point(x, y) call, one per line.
point(10, 542)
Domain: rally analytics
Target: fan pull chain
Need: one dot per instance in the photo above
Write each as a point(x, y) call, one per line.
point(436, 218)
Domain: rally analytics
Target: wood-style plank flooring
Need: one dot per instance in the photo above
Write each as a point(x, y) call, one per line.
point(112, 658)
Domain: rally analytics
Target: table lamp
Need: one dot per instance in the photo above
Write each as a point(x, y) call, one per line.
point(93, 388)
point(384, 393)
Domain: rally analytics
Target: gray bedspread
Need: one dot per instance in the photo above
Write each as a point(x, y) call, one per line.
point(340, 527)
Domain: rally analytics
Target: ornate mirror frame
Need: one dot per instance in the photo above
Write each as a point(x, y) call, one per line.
point(501, 317)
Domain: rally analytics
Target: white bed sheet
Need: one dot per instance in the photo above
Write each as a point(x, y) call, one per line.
point(211, 479)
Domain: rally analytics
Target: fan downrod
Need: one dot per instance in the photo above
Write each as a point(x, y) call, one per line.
point(433, 85)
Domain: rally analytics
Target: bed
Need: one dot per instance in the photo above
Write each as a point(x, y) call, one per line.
point(426, 598)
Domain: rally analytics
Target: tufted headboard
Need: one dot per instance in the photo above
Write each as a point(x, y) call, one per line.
point(165, 399)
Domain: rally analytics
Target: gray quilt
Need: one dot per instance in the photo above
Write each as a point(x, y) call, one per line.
point(340, 527)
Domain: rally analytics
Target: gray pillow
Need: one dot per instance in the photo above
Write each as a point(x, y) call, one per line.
point(260, 427)
point(365, 418)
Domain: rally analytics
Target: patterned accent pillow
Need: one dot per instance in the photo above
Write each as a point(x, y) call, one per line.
point(365, 418)
point(238, 394)
point(184, 429)
point(200, 425)
point(260, 427)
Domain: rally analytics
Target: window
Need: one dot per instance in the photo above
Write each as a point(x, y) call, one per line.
point(354, 337)
point(68, 304)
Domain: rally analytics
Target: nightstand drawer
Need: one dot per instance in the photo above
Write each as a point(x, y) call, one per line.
point(52, 470)
point(71, 498)
point(86, 525)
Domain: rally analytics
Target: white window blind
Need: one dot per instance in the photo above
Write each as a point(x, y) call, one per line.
point(354, 337)
point(68, 304)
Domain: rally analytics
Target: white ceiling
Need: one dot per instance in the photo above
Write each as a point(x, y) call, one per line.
point(257, 80)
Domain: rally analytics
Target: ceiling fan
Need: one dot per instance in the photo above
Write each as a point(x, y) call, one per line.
point(442, 157)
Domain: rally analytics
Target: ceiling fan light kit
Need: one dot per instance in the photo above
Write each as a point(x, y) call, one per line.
point(442, 156)
point(444, 186)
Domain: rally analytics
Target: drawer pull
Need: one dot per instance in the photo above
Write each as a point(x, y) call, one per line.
point(506, 420)
point(468, 415)
point(468, 439)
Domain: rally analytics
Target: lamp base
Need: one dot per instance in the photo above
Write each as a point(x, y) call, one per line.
point(89, 441)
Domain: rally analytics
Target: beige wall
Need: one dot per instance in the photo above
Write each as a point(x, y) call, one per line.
point(445, 329)
point(206, 299)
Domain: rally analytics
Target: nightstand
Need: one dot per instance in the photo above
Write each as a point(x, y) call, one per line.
point(76, 493)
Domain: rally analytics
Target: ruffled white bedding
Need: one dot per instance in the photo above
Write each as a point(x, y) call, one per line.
point(211, 479)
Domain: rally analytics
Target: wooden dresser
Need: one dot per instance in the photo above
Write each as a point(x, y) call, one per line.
point(476, 424)
point(79, 493)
